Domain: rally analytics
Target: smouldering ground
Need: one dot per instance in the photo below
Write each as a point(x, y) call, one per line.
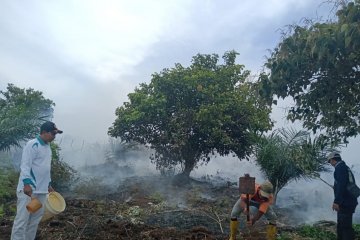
point(148, 208)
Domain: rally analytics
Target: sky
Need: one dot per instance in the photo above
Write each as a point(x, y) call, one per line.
point(87, 55)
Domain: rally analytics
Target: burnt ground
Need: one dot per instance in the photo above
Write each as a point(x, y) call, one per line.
point(150, 208)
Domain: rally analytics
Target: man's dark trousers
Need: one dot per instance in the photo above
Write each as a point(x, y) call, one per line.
point(344, 225)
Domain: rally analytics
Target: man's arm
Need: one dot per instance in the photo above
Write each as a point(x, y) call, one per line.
point(25, 168)
point(50, 188)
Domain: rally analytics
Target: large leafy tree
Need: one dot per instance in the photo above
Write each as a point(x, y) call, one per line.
point(318, 65)
point(21, 113)
point(187, 113)
point(287, 155)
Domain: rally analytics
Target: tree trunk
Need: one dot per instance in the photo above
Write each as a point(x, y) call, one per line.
point(184, 177)
point(189, 166)
point(276, 191)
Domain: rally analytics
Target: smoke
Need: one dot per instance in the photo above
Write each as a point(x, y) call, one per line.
point(109, 161)
point(227, 168)
point(308, 201)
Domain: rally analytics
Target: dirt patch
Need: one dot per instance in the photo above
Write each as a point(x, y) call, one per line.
point(148, 208)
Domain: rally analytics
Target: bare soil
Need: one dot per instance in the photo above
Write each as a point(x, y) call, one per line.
point(149, 208)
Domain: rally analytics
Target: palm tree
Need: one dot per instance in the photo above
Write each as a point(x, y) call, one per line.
point(287, 155)
point(22, 111)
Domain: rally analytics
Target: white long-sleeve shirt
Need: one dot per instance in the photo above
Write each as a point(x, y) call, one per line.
point(35, 166)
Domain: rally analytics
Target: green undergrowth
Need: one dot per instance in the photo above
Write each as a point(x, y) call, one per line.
point(8, 183)
point(63, 176)
point(314, 233)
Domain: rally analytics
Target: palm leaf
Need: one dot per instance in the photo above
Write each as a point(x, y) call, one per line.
point(288, 155)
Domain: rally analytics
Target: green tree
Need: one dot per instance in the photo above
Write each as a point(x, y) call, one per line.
point(287, 155)
point(187, 113)
point(318, 65)
point(21, 112)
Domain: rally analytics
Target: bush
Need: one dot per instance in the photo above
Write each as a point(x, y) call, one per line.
point(357, 230)
point(8, 183)
point(62, 174)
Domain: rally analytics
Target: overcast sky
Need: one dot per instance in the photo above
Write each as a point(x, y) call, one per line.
point(88, 55)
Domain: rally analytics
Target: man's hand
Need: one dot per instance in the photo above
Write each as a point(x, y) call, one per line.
point(251, 222)
point(243, 203)
point(335, 207)
point(244, 206)
point(28, 190)
point(50, 189)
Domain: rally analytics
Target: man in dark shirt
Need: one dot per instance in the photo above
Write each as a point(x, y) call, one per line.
point(344, 203)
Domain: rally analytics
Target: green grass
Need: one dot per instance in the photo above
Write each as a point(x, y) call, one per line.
point(316, 233)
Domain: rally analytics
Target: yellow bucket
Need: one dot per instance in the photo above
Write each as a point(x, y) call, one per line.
point(54, 205)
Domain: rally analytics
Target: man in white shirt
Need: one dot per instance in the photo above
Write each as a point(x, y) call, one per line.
point(34, 181)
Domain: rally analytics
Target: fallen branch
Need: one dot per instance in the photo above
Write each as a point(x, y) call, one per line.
point(222, 231)
point(217, 219)
point(82, 230)
point(72, 224)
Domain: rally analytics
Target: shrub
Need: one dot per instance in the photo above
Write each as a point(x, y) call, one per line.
point(62, 174)
point(8, 183)
point(357, 230)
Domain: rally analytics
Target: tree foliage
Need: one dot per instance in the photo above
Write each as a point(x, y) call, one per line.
point(187, 113)
point(318, 65)
point(21, 112)
point(287, 155)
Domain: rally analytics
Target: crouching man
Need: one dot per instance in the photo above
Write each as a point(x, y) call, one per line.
point(262, 199)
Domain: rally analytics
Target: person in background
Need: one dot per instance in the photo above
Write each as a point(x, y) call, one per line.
point(34, 181)
point(344, 203)
point(262, 199)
